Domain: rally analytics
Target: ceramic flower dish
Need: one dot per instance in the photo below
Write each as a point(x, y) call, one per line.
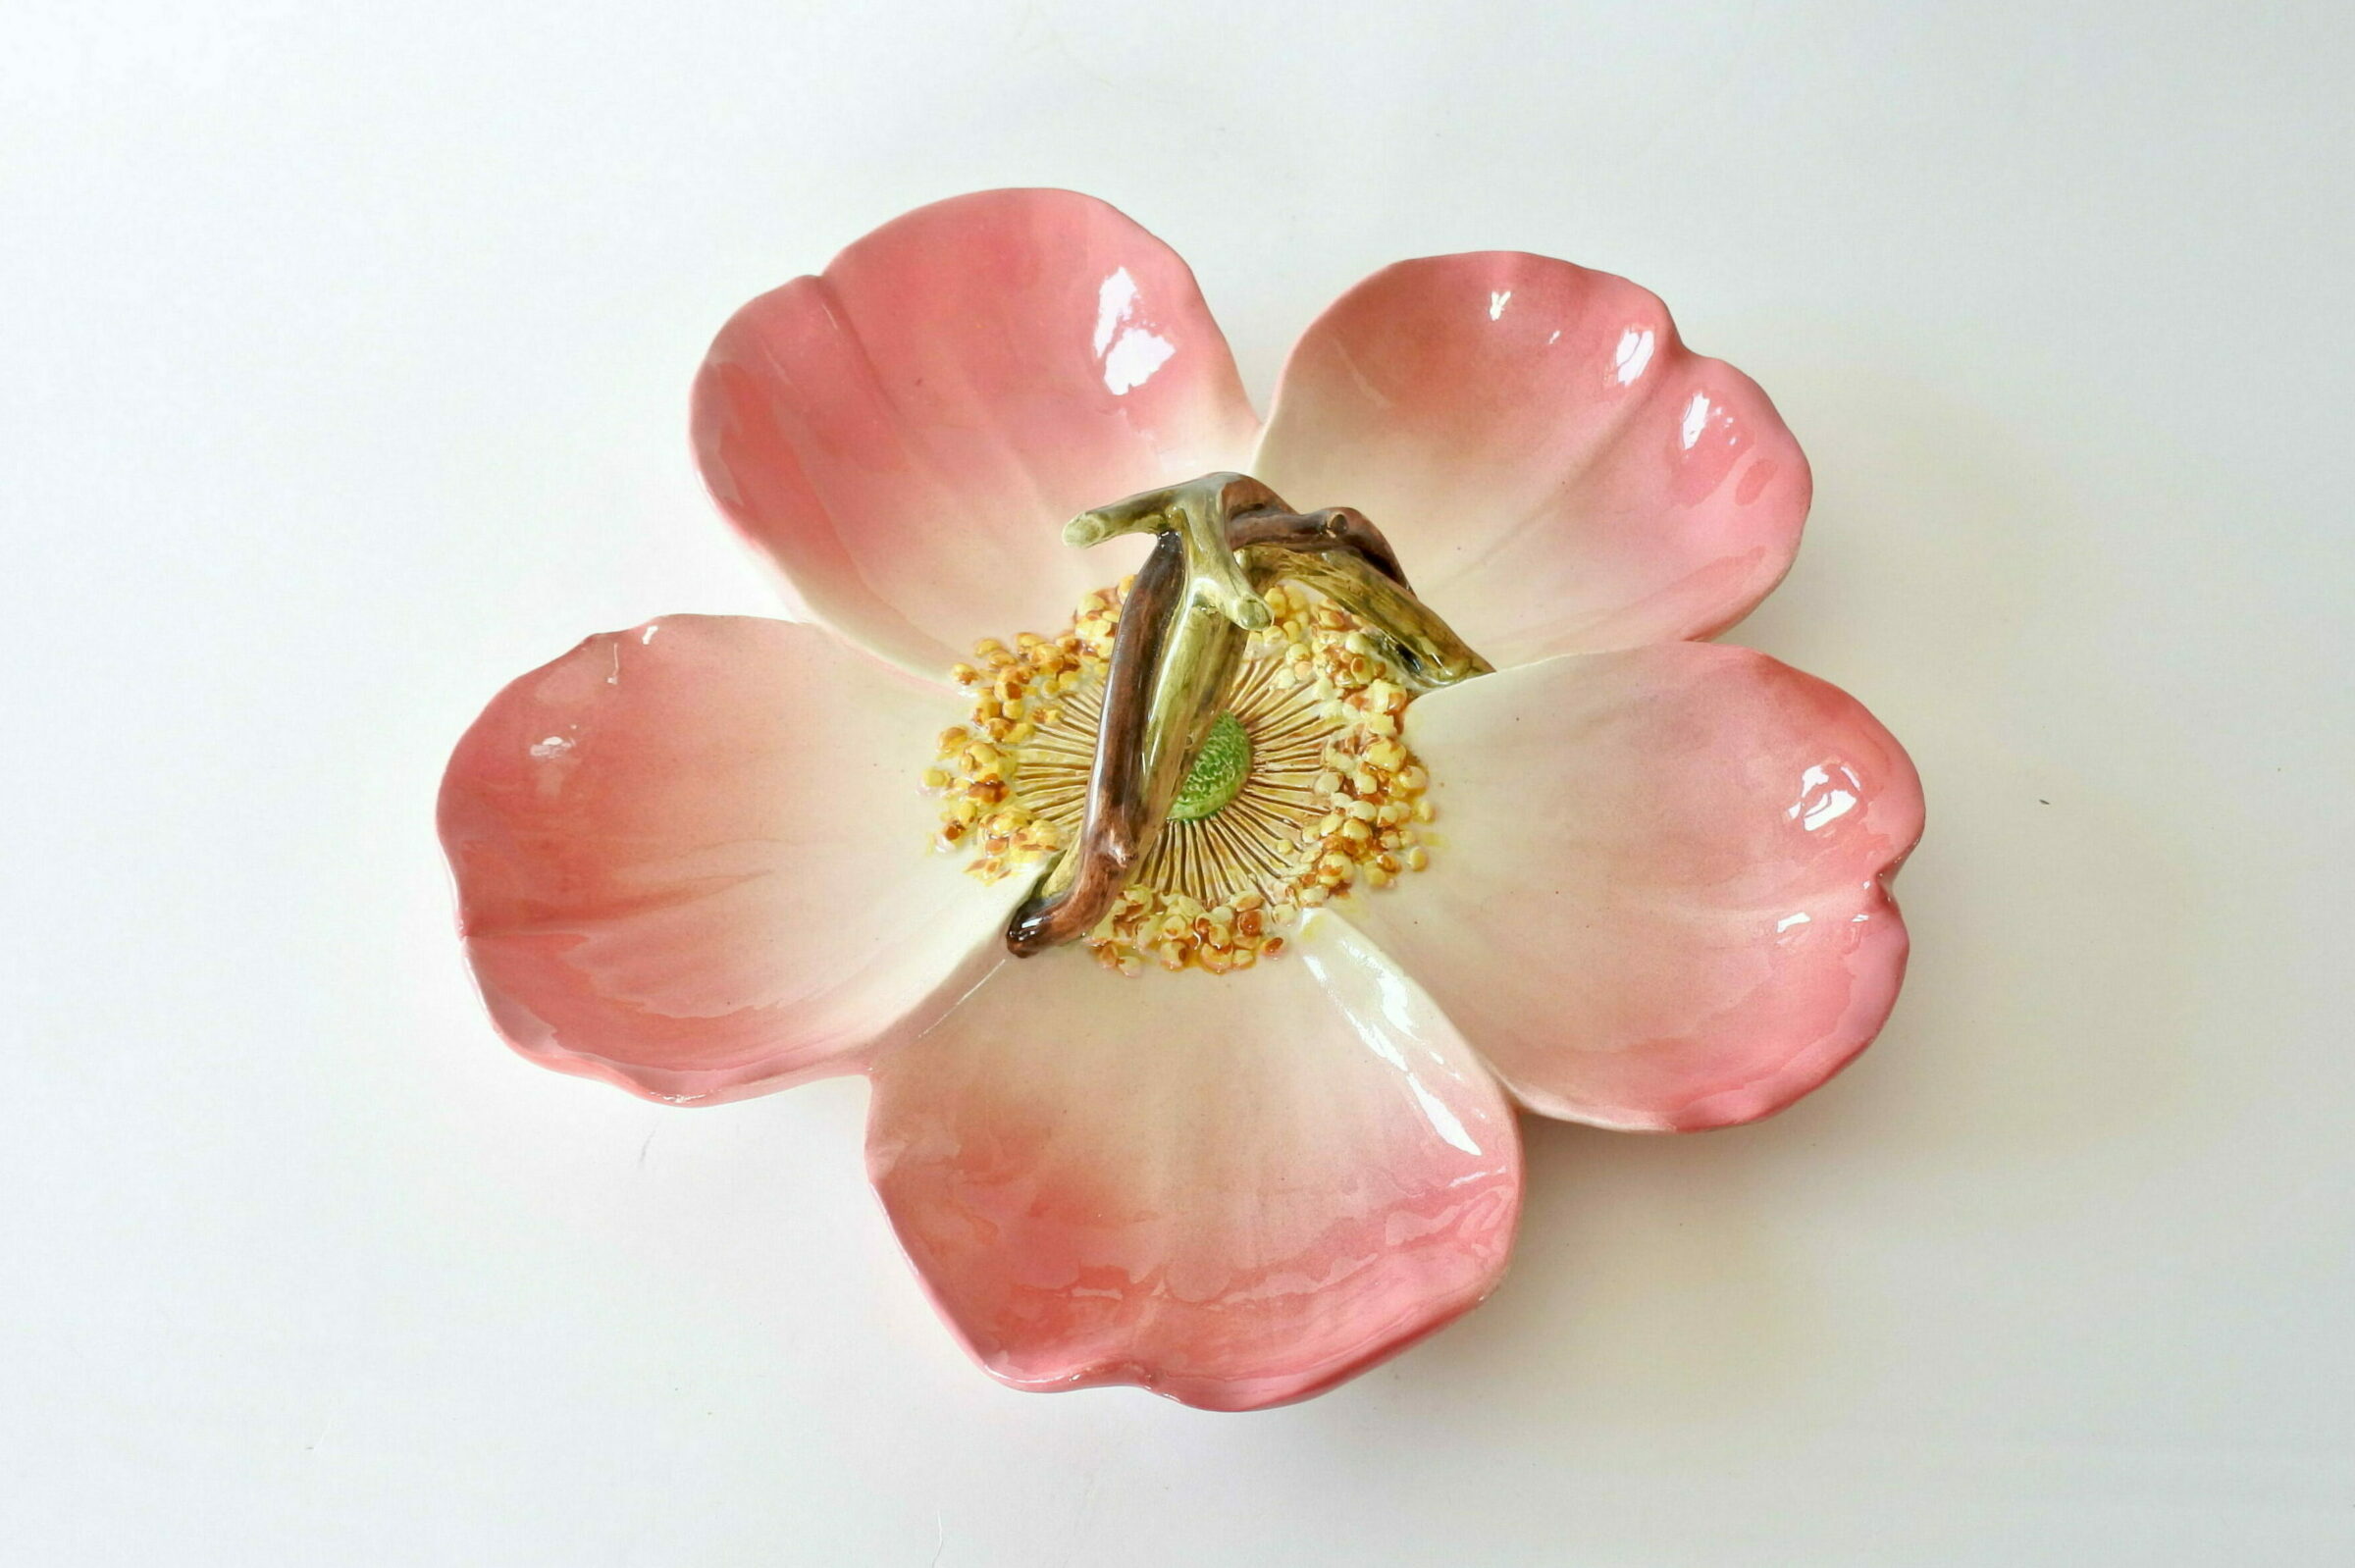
point(1194, 1063)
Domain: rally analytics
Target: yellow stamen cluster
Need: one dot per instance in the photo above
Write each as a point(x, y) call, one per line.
point(1371, 783)
point(1332, 796)
point(1017, 690)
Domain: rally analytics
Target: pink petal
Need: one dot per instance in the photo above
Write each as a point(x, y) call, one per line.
point(1559, 473)
point(907, 433)
point(691, 858)
point(1233, 1190)
point(1657, 896)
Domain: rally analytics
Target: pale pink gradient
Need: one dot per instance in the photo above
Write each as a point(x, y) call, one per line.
point(1234, 1193)
point(691, 857)
point(1659, 894)
point(1558, 472)
point(906, 431)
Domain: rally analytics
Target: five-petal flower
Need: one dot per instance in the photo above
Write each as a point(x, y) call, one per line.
point(691, 859)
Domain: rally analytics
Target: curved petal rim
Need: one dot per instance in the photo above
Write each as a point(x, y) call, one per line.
point(1659, 897)
point(1557, 470)
point(905, 433)
point(1099, 1185)
point(691, 858)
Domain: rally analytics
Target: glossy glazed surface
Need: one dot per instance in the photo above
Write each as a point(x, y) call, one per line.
point(690, 860)
point(1561, 472)
point(1235, 1195)
point(904, 433)
point(1663, 901)
point(683, 857)
point(348, 350)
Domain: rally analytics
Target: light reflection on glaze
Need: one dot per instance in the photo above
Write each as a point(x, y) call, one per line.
point(1131, 354)
point(1631, 355)
point(1255, 1225)
point(1701, 949)
point(1397, 1007)
point(1820, 802)
point(1576, 478)
point(1116, 298)
point(1234, 1203)
point(1005, 360)
point(1696, 419)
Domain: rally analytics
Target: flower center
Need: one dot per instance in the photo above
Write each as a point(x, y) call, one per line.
point(1230, 753)
point(1301, 790)
point(1218, 772)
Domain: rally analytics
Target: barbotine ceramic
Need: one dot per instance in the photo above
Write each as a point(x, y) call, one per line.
point(1642, 883)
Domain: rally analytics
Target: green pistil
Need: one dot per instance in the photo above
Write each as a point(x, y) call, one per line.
point(1218, 772)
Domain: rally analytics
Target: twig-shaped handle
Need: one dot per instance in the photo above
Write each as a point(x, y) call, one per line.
point(1223, 536)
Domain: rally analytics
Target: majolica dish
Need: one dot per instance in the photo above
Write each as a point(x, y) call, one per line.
point(1201, 882)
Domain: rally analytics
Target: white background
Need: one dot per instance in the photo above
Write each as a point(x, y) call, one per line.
point(344, 353)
